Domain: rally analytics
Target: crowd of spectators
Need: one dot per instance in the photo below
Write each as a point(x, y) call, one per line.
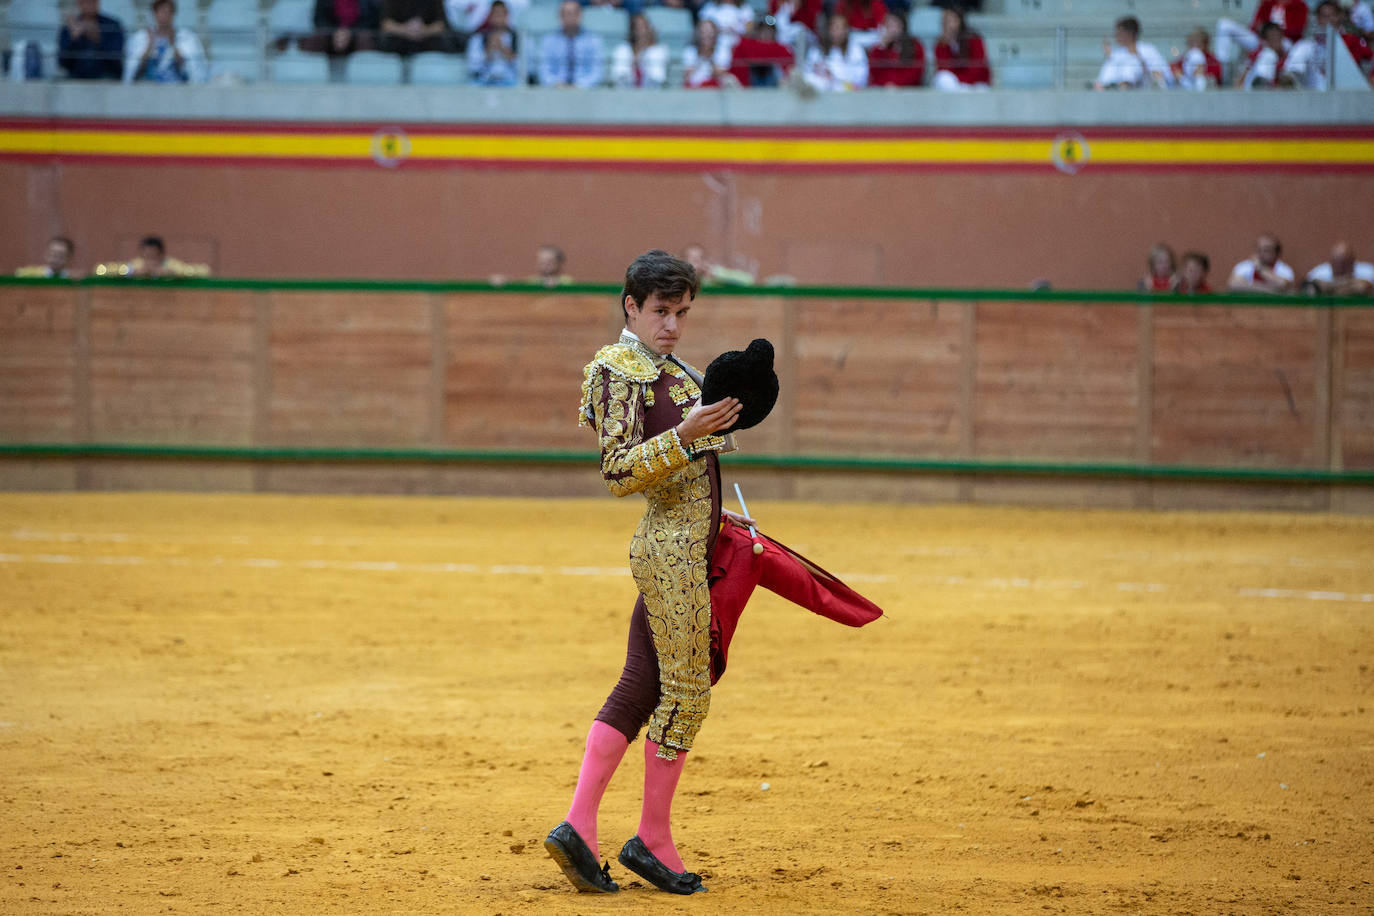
point(826, 45)
point(1263, 271)
point(151, 261)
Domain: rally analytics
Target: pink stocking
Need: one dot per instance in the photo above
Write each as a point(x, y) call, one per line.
point(660, 782)
point(605, 747)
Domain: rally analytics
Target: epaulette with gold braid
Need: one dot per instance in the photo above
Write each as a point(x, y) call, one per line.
point(621, 361)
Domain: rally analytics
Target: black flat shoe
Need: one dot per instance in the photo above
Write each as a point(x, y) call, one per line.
point(638, 859)
point(578, 862)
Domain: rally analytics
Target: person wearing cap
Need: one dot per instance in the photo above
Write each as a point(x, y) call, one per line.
point(759, 59)
point(694, 563)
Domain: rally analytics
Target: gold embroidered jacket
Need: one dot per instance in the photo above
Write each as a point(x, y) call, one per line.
point(635, 398)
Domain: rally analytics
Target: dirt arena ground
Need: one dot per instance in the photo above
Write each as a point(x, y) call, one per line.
point(265, 704)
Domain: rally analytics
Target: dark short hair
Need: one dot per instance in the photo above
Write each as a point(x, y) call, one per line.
point(70, 245)
point(157, 3)
point(1269, 28)
point(659, 272)
point(1318, 7)
point(1200, 258)
point(154, 241)
point(1129, 24)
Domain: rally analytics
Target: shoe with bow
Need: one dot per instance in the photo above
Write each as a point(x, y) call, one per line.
point(638, 859)
point(578, 862)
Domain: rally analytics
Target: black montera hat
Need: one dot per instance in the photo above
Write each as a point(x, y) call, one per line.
point(746, 375)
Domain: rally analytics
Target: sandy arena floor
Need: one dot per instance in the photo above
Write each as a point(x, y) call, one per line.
point(252, 704)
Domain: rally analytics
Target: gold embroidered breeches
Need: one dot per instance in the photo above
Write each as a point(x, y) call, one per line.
point(669, 564)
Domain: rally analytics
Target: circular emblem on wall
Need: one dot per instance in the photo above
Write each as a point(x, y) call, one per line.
point(390, 147)
point(1069, 152)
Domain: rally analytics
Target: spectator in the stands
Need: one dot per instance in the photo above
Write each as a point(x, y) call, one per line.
point(1289, 15)
point(1262, 70)
point(414, 26)
point(549, 262)
point(838, 64)
point(57, 259)
point(152, 262)
point(641, 60)
point(897, 59)
point(342, 27)
point(1305, 65)
point(469, 16)
point(961, 59)
point(706, 61)
point(1160, 270)
point(797, 19)
point(91, 44)
point(1362, 19)
point(1132, 63)
point(1264, 271)
point(865, 18)
point(1197, 69)
point(731, 17)
point(571, 56)
point(712, 274)
point(1342, 275)
point(164, 52)
point(1192, 274)
point(759, 59)
point(493, 49)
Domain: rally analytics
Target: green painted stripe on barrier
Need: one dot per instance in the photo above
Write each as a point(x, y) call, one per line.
point(772, 462)
point(1047, 297)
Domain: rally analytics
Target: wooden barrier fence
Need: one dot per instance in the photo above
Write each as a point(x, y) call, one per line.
point(1165, 403)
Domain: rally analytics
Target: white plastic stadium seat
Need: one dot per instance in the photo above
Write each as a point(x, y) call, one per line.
point(674, 26)
point(610, 23)
point(36, 21)
point(435, 68)
point(924, 23)
point(374, 68)
point(294, 66)
point(292, 18)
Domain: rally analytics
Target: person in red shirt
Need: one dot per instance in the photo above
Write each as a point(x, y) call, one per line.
point(863, 15)
point(897, 59)
point(961, 59)
point(1288, 15)
point(1192, 274)
point(758, 58)
point(1197, 68)
point(1160, 266)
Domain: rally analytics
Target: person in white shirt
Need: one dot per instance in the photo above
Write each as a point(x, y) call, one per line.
point(839, 63)
point(1305, 64)
point(1263, 272)
point(164, 52)
point(1131, 63)
point(641, 60)
point(1342, 275)
point(1362, 17)
point(731, 17)
point(706, 61)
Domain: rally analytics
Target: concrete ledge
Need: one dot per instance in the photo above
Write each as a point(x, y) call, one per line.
point(678, 107)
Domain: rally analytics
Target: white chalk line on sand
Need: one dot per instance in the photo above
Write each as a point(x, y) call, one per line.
point(996, 583)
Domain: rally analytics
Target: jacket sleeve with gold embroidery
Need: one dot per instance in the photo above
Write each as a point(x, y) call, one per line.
point(613, 401)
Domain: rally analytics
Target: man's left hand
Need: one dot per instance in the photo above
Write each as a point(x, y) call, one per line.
point(743, 521)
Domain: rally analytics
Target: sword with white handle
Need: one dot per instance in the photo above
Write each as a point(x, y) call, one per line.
point(758, 548)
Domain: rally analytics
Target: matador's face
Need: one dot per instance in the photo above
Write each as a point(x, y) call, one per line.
point(658, 322)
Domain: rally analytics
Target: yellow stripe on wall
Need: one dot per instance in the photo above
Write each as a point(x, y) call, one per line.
point(783, 151)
